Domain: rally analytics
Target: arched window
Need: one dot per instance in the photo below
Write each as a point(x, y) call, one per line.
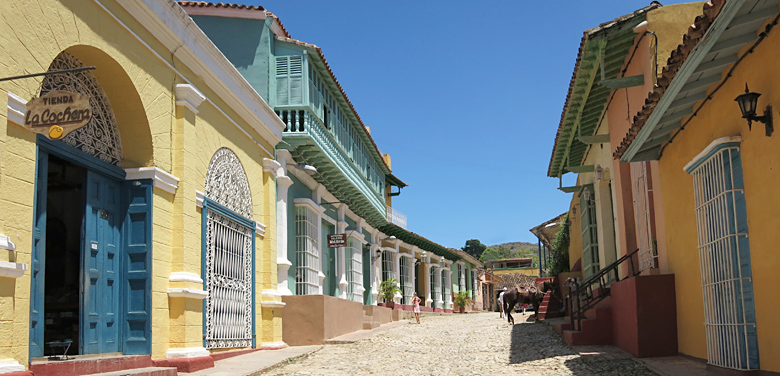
point(100, 137)
point(227, 209)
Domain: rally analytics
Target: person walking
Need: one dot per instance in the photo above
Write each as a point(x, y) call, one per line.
point(416, 303)
point(501, 303)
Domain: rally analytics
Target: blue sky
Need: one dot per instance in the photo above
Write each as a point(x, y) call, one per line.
point(466, 97)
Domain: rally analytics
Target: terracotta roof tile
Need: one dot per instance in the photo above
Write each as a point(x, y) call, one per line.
point(341, 89)
point(205, 4)
point(673, 64)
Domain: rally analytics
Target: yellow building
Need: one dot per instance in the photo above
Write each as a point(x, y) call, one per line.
point(137, 190)
point(717, 177)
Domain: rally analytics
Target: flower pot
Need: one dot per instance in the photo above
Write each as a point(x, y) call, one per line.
point(390, 305)
point(462, 309)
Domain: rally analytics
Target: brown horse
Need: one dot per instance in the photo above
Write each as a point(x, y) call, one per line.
point(516, 296)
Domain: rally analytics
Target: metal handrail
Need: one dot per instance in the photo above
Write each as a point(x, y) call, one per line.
point(586, 288)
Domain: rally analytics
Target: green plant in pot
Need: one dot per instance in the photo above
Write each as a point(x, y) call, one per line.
point(388, 289)
point(462, 299)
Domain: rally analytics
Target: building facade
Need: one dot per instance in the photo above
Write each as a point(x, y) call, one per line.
point(135, 205)
point(332, 179)
point(720, 231)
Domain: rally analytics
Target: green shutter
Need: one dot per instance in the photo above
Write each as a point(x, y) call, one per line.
point(289, 80)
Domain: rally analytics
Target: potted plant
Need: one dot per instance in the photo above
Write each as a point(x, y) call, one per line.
point(462, 299)
point(388, 289)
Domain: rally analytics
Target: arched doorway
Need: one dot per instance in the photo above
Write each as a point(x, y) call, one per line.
point(90, 282)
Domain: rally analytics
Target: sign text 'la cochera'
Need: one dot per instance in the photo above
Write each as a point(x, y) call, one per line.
point(57, 113)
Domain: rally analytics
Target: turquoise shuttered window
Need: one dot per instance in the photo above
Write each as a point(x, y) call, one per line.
point(289, 80)
point(724, 256)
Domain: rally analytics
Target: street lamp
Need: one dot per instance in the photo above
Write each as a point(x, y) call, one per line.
point(748, 101)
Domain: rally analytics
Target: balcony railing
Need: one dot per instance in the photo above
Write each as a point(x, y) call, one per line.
point(396, 217)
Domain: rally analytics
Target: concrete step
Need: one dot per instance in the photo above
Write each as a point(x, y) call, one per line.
point(368, 325)
point(148, 371)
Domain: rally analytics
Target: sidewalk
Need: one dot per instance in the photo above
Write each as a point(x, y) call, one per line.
point(257, 362)
point(664, 366)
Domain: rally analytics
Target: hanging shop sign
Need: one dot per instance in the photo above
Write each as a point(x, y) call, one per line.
point(337, 240)
point(57, 113)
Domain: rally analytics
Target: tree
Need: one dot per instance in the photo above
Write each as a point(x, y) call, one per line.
point(498, 253)
point(560, 250)
point(474, 247)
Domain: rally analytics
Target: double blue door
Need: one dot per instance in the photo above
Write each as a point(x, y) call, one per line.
point(115, 261)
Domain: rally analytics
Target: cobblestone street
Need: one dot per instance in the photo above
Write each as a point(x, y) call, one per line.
point(471, 344)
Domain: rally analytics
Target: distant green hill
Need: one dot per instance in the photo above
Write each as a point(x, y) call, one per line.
point(521, 249)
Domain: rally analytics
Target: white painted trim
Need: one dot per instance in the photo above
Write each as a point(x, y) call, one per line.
point(708, 149)
point(271, 293)
point(6, 243)
point(162, 179)
point(273, 345)
point(272, 304)
point(171, 25)
point(10, 365)
point(188, 96)
point(184, 292)
point(329, 219)
point(302, 201)
point(12, 269)
point(185, 277)
point(189, 352)
point(259, 229)
point(17, 107)
point(273, 167)
point(199, 198)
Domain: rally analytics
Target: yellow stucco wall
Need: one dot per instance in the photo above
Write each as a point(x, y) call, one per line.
point(721, 117)
point(154, 133)
point(526, 271)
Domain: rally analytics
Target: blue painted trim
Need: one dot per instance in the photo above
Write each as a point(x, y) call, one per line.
point(712, 152)
point(223, 210)
point(35, 340)
point(80, 158)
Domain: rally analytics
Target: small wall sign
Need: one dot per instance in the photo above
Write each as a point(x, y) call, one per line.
point(337, 240)
point(57, 113)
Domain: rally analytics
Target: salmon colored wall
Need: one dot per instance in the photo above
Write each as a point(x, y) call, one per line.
point(721, 117)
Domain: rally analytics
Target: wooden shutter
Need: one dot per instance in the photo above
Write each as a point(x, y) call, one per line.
point(137, 286)
point(289, 80)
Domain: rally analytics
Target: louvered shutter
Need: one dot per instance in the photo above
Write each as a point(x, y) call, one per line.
point(289, 80)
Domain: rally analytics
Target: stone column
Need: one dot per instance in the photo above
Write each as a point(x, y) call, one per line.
point(428, 292)
point(340, 259)
point(375, 279)
point(448, 298)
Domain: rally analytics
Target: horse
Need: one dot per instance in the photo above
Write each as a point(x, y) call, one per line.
point(516, 296)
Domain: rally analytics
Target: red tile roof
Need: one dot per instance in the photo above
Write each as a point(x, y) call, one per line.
point(673, 64)
point(204, 4)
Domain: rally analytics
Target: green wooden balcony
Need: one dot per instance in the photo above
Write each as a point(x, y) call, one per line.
point(330, 152)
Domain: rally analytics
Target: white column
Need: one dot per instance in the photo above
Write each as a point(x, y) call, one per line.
point(283, 183)
point(428, 299)
point(341, 262)
point(412, 270)
point(373, 270)
point(449, 296)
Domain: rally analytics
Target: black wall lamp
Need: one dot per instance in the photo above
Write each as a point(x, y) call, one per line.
point(378, 253)
point(748, 102)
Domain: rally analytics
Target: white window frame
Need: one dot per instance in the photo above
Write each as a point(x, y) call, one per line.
point(307, 247)
point(354, 258)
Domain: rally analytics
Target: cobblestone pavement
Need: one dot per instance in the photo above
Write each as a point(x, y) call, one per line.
point(471, 344)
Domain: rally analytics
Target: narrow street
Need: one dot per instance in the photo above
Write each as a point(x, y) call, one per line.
point(471, 344)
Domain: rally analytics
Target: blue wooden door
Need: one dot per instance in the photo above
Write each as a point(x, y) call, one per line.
point(137, 265)
point(100, 266)
point(37, 269)
point(329, 284)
